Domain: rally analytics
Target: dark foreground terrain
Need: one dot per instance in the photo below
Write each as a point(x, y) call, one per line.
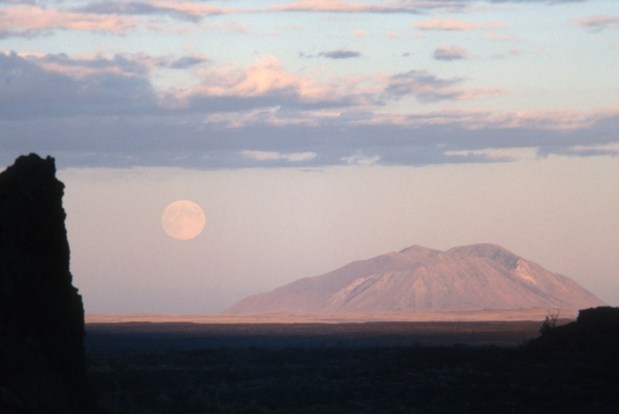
point(409, 367)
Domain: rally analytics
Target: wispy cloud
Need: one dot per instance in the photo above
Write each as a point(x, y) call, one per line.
point(450, 53)
point(455, 25)
point(139, 64)
point(339, 6)
point(423, 86)
point(184, 10)
point(186, 62)
point(292, 157)
point(114, 17)
point(598, 23)
point(401, 6)
point(29, 20)
point(582, 150)
point(340, 54)
point(359, 158)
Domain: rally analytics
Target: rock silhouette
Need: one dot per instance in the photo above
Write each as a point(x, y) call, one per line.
point(594, 334)
point(41, 314)
point(480, 276)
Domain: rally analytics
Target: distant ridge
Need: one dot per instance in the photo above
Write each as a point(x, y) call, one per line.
point(475, 277)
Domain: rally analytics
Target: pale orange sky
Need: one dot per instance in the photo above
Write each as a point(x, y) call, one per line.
point(270, 227)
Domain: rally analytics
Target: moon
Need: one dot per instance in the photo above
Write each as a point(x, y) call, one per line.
point(183, 220)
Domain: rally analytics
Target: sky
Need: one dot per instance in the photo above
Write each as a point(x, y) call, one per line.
point(314, 133)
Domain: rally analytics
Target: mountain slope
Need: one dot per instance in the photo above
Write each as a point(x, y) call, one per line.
point(481, 276)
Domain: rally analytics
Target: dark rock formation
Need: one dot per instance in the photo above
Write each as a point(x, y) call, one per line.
point(594, 334)
point(41, 313)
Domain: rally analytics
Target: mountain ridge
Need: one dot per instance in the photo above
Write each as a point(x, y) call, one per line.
point(478, 276)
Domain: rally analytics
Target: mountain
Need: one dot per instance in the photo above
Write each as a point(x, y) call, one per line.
point(480, 276)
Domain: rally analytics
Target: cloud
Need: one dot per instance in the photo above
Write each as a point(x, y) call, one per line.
point(548, 2)
point(455, 25)
point(58, 85)
point(292, 157)
point(598, 23)
point(92, 65)
point(340, 54)
point(184, 10)
point(30, 20)
point(139, 65)
point(37, 87)
point(359, 158)
point(581, 150)
point(184, 140)
point(227, 27)
point(113, 17)
point(423, 86)
point(186, 62)
point(263, 84)
point(339, 6)
point(104, 111)
point(450, 53)
point(402, 6)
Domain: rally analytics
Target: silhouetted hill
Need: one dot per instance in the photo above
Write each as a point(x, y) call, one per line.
point(481, 276)
point(41, 313)
point(595, 333)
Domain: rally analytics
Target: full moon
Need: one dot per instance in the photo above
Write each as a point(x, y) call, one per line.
point(183, 220)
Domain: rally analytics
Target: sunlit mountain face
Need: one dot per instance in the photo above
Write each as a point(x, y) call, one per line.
point(481, 276)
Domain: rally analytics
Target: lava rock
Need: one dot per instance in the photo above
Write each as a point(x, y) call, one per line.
point(42, 366)
point(594, 334)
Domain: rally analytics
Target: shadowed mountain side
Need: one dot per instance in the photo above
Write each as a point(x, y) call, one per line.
point(482, 276)
point(41, 314)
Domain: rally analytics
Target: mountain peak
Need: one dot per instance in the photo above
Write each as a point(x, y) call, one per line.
point(416, 249)
point(491, 251)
